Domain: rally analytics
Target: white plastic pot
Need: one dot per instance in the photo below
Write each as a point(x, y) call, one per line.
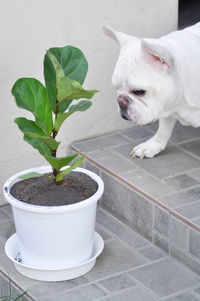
point(58, 236)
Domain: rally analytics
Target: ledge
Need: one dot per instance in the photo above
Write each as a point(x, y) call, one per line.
point(158, 197)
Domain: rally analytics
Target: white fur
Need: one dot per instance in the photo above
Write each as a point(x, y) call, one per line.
point(168, 68)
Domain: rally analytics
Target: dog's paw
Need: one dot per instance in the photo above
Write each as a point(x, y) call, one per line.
point(147, 149)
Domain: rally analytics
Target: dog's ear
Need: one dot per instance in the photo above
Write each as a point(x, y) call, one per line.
point(119, 37)
point(157, 55)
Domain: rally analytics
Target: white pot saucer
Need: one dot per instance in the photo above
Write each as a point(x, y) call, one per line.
point(12, 251)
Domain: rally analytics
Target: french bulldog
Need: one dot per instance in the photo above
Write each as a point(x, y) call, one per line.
point(158, 79)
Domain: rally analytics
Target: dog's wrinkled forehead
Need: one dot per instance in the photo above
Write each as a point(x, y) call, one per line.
point(130, 54)
point(130, 67)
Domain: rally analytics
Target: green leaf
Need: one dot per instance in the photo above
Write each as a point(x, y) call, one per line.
point(52, 71)
point(50, 142)
point(65, 89)
point(58, 163)
point(30, 175)
point(28, 126)
point(60, 119)
point(57, 66)
point(83, 105)
point(63, 106)
point(78, 162)
point(73, 63)
point(69, 90)
point(31, 95)
point(37, 144)
point(50, 81)
point(36, 137)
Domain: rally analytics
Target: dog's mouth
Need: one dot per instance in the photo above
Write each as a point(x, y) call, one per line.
point(124, 116)
point(130, 116)
point(135, 118)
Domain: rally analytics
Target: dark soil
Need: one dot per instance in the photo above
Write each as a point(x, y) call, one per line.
point(43, 191)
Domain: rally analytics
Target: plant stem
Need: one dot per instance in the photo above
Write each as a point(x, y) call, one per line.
point(54, 134)
point(55, 173)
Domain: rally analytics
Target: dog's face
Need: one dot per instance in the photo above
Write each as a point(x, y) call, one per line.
point(143, 78)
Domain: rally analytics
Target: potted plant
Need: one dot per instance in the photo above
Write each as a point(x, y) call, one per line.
point(54, 206)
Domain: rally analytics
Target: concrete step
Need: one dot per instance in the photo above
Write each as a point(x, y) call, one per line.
point(158, 197)
point(130, 268)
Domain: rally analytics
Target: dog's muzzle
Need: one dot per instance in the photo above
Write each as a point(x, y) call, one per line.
point(123, 102)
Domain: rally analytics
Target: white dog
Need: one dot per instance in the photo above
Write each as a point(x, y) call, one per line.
point(158, 79)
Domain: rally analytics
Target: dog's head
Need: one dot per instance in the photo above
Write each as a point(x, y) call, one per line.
point(143, 77)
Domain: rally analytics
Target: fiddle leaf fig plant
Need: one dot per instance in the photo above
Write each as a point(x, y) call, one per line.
point(65, 70)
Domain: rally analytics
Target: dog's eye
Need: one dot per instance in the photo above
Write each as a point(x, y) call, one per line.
point(139, 92)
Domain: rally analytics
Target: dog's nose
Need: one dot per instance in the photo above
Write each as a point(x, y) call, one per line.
point(123, 102)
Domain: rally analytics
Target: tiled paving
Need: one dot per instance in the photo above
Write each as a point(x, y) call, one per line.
point(172, 177)
point(129, 269)
point(157, 197)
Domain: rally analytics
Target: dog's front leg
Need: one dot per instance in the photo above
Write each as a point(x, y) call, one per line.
point(158, 142)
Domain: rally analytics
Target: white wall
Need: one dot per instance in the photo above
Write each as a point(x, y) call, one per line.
point(30, 27)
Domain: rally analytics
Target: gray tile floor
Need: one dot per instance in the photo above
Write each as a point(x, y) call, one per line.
point(172, 177)
point(129, 269)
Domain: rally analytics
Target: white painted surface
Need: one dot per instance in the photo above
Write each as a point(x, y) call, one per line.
point(63, 248)
point(28, 28)
point(12, 249)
